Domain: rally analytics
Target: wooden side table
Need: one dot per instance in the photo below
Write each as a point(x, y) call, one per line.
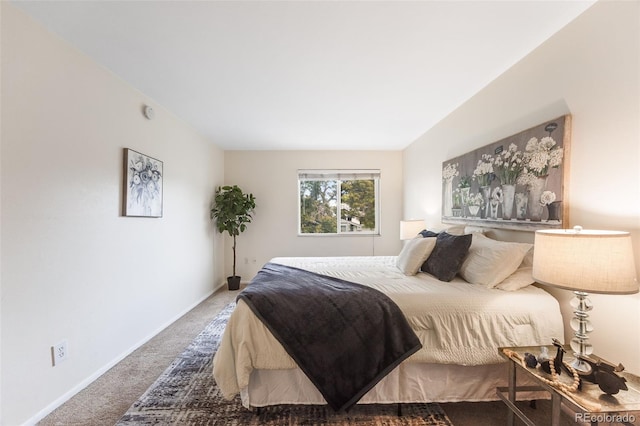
point(589, 405)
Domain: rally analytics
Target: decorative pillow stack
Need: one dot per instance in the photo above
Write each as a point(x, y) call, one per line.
point(414, 253)
point(490, 262)
point(447, 256)
point(477, 258)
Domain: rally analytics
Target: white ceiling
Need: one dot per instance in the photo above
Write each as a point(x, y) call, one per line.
point(307, 74)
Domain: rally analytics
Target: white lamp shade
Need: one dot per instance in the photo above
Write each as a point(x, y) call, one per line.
point(585, 260)
point(409, 229)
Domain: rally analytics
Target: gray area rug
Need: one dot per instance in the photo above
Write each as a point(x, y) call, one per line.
point(186, 394)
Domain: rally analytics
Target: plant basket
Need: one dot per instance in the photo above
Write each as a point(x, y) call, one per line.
point(233, 283)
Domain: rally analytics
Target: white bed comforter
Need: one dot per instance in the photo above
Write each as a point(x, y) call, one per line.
point(457, 322)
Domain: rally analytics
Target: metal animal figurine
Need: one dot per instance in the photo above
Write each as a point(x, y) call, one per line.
point(604, 375)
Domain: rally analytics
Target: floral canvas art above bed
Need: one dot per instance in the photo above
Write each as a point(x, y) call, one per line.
point(518, 182)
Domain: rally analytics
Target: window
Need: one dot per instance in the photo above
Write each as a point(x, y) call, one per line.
point(338, 201)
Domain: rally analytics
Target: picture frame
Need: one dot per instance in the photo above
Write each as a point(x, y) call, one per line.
point(519, 182)
point(143, 185)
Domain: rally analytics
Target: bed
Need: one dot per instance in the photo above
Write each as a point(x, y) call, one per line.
point(460, 320)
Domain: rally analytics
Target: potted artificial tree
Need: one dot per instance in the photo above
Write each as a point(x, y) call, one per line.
point(232, 210)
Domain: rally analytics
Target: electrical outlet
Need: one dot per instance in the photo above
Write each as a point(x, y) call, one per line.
point(59, 352)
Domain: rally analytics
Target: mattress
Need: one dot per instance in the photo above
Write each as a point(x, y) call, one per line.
point(458, 323)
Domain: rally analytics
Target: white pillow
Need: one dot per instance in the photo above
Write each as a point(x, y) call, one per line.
point(521, 278)
point(490, 262)
point(528, 258)
point(414, 253)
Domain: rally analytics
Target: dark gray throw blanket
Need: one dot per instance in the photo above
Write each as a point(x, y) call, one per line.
point(344, 336)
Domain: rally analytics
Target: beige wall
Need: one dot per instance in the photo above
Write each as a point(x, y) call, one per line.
point(272, 177)
point(72, 267)
point(590, 70)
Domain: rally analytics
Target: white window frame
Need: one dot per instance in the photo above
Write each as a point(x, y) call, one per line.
point(340, 175)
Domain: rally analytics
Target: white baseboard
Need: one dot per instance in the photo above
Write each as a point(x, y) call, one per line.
point(86, 382)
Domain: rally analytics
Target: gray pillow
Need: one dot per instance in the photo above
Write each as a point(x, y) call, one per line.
point(447, 256)
point(427, 234)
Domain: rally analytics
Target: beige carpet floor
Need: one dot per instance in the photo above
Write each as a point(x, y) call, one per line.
point(105, 400)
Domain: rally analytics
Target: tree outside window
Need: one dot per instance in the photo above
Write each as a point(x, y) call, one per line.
point(338, 202)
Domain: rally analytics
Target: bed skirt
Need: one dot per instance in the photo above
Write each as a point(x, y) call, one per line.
point(410, 382)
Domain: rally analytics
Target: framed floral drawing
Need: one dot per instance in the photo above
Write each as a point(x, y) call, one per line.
point(519, 182)
point(143, 177)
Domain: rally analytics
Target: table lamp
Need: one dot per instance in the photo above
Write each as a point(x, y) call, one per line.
point(585, 261)
point(409, 229)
